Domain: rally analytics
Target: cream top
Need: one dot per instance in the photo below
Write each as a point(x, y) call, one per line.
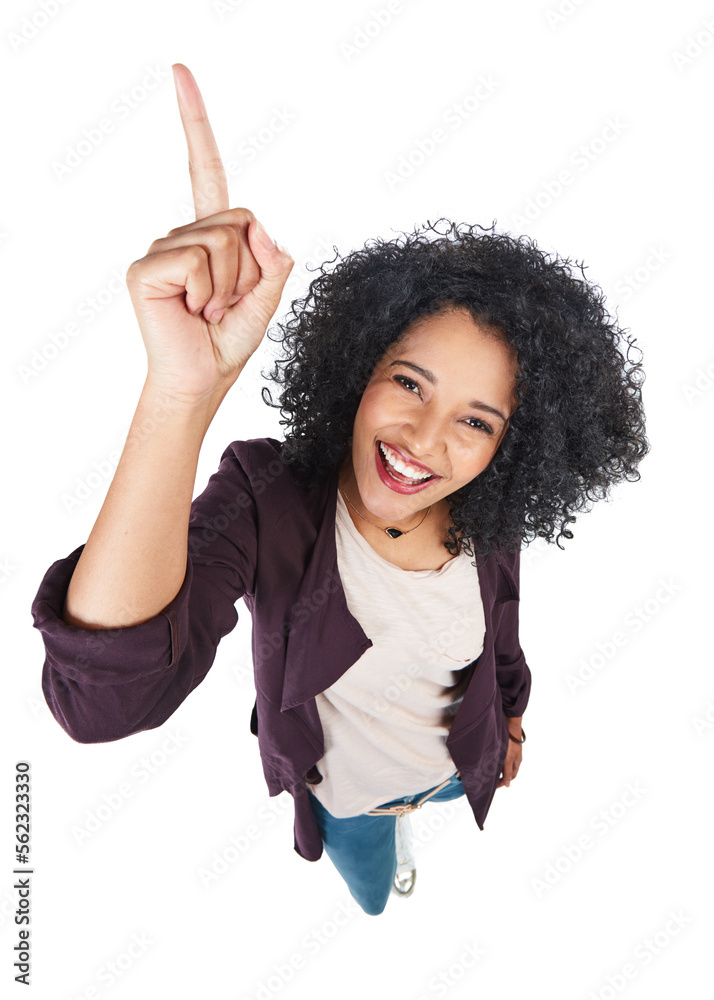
point(385, 721)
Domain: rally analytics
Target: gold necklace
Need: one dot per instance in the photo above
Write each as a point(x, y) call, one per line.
point(392, 532)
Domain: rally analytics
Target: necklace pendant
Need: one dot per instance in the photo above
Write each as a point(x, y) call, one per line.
point(394, 532)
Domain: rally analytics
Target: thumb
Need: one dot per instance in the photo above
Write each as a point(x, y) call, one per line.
point(275, 265)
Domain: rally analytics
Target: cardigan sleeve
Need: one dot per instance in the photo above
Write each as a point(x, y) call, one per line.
point(512, 671)
point(105, 684)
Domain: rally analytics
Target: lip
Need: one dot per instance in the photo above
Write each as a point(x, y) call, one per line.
point(408, 460)
point(392, 483)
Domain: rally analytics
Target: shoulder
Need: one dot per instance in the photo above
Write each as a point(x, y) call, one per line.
point(509, 564)
point(256, 461)
point(257, 465)
point(254, 451)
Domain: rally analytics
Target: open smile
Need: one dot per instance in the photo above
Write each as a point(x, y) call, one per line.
point(392, 469)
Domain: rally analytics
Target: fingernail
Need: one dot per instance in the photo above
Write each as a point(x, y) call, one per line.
point(216, 316)
point(266, 240)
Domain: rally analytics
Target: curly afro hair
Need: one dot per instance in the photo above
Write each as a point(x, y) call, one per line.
point(579, 425)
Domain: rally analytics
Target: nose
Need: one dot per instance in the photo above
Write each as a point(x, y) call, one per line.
point(423, 436)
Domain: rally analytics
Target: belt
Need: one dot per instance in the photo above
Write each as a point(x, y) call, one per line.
point(408, 807)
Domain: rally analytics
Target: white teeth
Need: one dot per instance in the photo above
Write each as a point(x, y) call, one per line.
point(406, 470)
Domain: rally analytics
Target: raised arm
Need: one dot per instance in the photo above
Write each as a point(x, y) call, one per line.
point(203, 297)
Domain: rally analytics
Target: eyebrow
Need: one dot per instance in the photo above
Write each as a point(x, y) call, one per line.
point(431, 377)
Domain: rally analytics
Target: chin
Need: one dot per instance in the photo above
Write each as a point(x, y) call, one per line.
point(395, 507)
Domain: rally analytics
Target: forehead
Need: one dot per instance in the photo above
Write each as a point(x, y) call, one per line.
point(455, 341)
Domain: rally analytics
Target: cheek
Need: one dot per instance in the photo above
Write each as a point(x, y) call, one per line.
point(469, 462)
point(373, 411)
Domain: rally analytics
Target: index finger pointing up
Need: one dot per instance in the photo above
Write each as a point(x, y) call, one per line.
point(208, 177)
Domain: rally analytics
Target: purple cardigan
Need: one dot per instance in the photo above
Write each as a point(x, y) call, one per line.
point(253, 533)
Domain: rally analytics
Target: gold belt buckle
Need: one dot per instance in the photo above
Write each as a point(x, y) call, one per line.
point(407, 808)
point(402, 810)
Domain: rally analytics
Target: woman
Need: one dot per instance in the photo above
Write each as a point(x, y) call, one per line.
point(446, 399)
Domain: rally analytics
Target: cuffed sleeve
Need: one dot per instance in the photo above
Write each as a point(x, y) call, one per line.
point(512, 671)
point(105, 684)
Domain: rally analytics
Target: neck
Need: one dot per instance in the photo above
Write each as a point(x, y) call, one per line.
point(364, 519)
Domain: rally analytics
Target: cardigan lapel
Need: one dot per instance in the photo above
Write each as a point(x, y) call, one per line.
point(325, 639)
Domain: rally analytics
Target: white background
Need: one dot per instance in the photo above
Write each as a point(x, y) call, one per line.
point(358, 96)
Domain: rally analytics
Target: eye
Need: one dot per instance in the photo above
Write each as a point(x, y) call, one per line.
point(403, 379)
point(481, 425)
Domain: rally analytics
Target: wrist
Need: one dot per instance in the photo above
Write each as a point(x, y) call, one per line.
point(515, 729)
point(196, 411)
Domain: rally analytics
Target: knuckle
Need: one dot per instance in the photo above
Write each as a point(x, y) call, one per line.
point(196, 255)
point(224, 237)
point(242, 214)
point(209, 163)
point(134, 269)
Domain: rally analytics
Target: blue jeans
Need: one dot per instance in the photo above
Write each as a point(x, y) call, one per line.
point(362, 848)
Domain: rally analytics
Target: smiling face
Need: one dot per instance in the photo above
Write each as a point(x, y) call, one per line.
point(438, 403)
